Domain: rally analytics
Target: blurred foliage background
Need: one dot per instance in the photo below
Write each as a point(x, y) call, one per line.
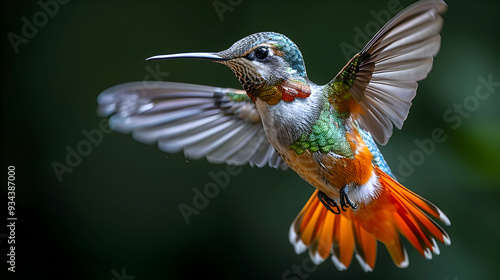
point(118, 208)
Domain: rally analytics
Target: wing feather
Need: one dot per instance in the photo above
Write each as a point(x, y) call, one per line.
point(220, 124)
point(383, 76)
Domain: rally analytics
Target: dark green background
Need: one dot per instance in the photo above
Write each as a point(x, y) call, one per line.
point(119, 207)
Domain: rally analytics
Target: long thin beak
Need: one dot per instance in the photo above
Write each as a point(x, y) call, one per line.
point(197, 55)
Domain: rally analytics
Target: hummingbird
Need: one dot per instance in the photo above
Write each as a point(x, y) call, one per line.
point(325, 133)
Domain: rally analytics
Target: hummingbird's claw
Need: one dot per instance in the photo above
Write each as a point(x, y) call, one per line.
point(345, 201)
point(328, 202)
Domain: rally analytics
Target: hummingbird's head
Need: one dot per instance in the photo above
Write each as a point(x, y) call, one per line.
point(265, 57)
point(268, 65)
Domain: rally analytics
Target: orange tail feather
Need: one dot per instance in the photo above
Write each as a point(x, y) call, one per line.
point(395, 211)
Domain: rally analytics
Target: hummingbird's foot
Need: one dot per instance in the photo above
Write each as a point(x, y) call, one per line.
point(328, 202)
point(345, 201)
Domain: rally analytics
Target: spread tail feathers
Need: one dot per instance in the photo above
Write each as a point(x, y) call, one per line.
point(396, 210)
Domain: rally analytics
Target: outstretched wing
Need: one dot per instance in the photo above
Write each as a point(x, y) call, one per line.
point(220, 124)
point(378, 84)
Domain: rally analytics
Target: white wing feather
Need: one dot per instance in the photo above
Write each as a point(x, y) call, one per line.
point(202, 121)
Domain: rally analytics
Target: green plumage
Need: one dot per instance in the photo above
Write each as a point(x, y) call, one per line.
point(339, 89)
point(237, 97)
point(348, 74)
point(327, 135)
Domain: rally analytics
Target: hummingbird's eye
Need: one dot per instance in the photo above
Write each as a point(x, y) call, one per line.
point(261, 53)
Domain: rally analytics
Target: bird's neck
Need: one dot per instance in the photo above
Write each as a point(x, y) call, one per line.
point(288, 120)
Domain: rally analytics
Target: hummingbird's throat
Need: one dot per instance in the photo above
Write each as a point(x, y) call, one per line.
point(286, 90)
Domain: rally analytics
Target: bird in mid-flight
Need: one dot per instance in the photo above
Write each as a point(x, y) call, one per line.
point(324, 133)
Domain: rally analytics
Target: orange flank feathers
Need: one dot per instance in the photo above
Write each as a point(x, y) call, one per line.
point(394, 212)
